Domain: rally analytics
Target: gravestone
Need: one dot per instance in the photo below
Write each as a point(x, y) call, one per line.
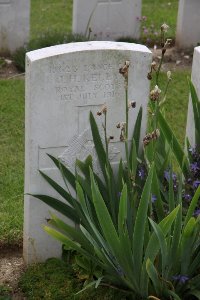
point(190, 129)
point(14, 24)
point(63, 84)
point(108, 19)
point(188, 24)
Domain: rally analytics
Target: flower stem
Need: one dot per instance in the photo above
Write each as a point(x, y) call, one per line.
point(105, 134)
point(159, 67)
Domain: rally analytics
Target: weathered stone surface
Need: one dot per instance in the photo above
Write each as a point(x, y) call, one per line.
point(108, 19)
point(14, 24)
point(190, 130)
point(188, 24)
point(63, 84)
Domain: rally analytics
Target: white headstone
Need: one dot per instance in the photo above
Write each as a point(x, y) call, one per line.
point(108, 19)
point(188, 24)
point(190, 130)
point(63, 84)
point(14, 24)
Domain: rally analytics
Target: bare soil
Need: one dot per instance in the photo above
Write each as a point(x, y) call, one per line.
point(174, 59)
point(8, 70)
point(11, 267)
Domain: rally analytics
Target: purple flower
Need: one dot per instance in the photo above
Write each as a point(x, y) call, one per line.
point(153, 198)
point(194, 167)
point(167, 175)
point(187, 197)
point(182, 279)
point(145, 30)
point(196, 183)
point(141, 173)
point(144, 18)
point(196, 212)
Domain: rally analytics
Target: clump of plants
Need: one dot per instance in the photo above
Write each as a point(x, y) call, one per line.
point(133, 230)
point(47, 39)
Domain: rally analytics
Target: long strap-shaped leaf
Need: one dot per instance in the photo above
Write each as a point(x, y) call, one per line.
point(137, 129)
point(72, 232)
point(153, 247)
point(192, 206)
point(66, 173)
point(59, 189)
point(141, 219)
point(108, 229)
point(174, 144)
point(153, 274)
point(196, 111)
point(98, 144)
point(187, 241)
point(163, 245)
point(61, 207)
point(104, 218)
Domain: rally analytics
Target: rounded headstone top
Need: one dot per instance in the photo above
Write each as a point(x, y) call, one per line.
point(84, 46)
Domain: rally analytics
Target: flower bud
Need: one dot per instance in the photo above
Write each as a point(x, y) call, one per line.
point(155, 93)
point(169, 74)
point(164, 27)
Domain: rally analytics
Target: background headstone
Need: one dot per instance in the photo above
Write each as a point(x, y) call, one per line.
point(14, 24)
point(108, 19)
point(188, 24)
point(63, 84)
point(190, 130)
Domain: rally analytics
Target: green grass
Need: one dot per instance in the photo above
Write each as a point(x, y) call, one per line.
point(159, 12)
point(5, 292)
point(50, 16)
point(11, 160)
point(56, 15)
point(57, 280)
point(176, 102)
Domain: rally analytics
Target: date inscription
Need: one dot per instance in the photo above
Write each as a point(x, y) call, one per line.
point(86, 83)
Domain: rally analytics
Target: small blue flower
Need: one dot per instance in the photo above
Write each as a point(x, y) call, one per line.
point(167, 175)
point(196, 183)
point(182, 279)
point(196, 212)
point(194, 167)
point(153, 198)
point(141, 173)
point(187, 197)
